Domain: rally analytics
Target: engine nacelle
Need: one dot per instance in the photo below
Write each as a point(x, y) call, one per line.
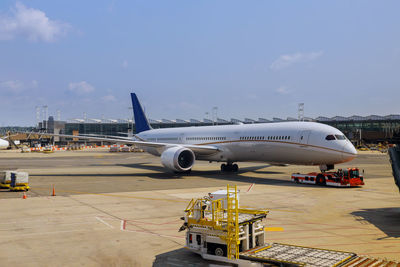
point(178, 159)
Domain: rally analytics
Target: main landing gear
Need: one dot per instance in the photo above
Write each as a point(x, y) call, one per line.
point(229, 167)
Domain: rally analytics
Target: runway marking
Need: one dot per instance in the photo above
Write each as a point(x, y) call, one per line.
point(251, 187)
point(123, 225)
point(106, 223)
point(150, 223)
point(123, 228)
point(273, 229)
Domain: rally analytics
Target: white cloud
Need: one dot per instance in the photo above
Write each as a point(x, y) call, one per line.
point(109, 98)
point(81, 87)
point(287, 60)
point(282, 90)
point(12, 85)
point(17, 86)
point(32, 24)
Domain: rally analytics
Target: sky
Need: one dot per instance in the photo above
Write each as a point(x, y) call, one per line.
point(251, 59)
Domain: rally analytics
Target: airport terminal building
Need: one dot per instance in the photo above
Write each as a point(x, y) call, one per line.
point(368, 129)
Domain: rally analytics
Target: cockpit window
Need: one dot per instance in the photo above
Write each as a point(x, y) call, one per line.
point(340, 137)
point(330, 137)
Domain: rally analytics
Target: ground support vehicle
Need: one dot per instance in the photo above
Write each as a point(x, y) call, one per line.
point(341, 178)
point(219, 230)
point(15, 181)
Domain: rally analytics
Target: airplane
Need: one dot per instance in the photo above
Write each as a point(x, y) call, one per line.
point(280, 143)
point(4, 144)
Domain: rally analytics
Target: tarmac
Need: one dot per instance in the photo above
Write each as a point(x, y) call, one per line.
point(124, 209)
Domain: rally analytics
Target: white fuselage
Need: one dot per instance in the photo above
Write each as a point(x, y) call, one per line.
point(302, 143)
point(4, 144)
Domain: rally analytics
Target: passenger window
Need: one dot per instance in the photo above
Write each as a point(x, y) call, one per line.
point(330, 137)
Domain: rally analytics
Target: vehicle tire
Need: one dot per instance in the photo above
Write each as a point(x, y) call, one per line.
point(219, 252)
point(321, 180)
point(223, 167)
point(235, 168)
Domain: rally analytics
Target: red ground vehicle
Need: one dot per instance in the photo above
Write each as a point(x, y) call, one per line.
point(341, 178)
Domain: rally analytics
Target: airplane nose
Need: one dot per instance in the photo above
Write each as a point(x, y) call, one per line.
point(349, 151)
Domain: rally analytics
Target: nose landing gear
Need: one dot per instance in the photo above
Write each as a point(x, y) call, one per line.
point(229, 167)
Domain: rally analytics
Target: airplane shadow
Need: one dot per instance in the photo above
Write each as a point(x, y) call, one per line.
point(157, 168)
point(160, 173)
point(386, 219)
point(239, 176)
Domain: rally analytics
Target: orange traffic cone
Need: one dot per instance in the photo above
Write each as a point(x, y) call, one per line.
point(54, 192)
point(24, 196)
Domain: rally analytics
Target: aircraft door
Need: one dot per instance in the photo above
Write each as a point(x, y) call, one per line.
point(303, 137)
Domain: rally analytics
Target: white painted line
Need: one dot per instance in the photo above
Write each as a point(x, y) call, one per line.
point(109, 225)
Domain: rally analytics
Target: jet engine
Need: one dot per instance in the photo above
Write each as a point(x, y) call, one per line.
point(178, 159)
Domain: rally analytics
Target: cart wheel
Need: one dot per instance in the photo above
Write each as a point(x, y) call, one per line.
point(219, 252)
point(321, 180)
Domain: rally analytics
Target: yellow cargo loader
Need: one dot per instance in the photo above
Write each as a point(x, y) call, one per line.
point(219, 230)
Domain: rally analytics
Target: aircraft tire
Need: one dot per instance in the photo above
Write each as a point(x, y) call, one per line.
point(223, 167)
point(235, 168)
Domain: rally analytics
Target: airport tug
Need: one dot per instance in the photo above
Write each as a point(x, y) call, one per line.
point(341, 178)
point(218, 229)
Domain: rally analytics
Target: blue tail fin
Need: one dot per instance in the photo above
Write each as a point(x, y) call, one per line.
point(141, 123)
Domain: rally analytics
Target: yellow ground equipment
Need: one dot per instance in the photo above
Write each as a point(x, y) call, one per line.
point(217, 226)
point(14, 180)
point(218, 229)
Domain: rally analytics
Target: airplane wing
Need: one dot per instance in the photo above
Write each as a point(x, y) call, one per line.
point(197, 149)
